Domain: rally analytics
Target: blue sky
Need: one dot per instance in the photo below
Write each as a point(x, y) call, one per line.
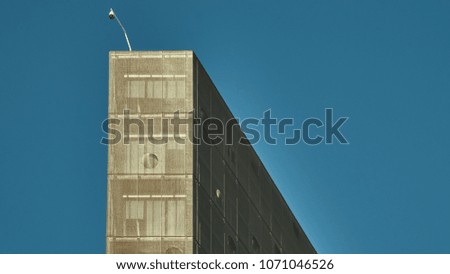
point(384, 64)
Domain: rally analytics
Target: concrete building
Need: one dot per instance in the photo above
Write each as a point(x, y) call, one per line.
point(168, 197)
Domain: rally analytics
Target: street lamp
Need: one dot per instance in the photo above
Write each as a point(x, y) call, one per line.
point(113, 16)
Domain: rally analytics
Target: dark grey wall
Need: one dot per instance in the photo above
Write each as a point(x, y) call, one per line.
point(250, 216)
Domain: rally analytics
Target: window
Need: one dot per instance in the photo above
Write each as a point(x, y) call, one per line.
point(255, 168)
point(231, 245)
point(174, 218)
point(134, 209)
point(203, 115)
point(154, 89)
point(157, 89)
point(136, 89)
point(255, 245)
point(230, 152)
point(171, 89)
point(175, 157)
point(296, 229)
point(134, 215)
point(276, 249)
point(154, 216)
point(174, 89)
point(181, 89)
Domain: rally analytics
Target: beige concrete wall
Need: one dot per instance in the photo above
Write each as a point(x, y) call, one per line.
point(150, 185)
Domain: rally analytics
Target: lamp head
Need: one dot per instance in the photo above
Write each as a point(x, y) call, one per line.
point(111, 14)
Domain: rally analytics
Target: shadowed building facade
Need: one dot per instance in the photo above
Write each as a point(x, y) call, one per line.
point(170, 196)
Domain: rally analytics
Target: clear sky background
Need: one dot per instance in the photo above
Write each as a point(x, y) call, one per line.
point(385, 64)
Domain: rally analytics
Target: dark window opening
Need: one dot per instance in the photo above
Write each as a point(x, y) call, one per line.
point(231, 245)
point(203, 115)
point(276, 249)
point(230, 153)
point(296, 229)
point(255, 168)
point(255, 245)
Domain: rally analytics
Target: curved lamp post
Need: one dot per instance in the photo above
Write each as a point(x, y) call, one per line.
point(113, 16)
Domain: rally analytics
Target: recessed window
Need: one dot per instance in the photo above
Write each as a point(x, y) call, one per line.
point(296, 229)
point(134, 218)
point(154, 89)
point(203, 115)
point(276, 249)
point(231, 245)
point(230, 153)
point(174, 89)
point(154, 217)
point(136, 89)
point(255, 245)
point(255, 168)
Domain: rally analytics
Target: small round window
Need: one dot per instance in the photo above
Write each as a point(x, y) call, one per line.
point(150, 160)
point(218, 194)
point(174, 250)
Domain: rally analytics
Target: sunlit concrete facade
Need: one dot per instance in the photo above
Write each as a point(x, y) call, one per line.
point(186, 198)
